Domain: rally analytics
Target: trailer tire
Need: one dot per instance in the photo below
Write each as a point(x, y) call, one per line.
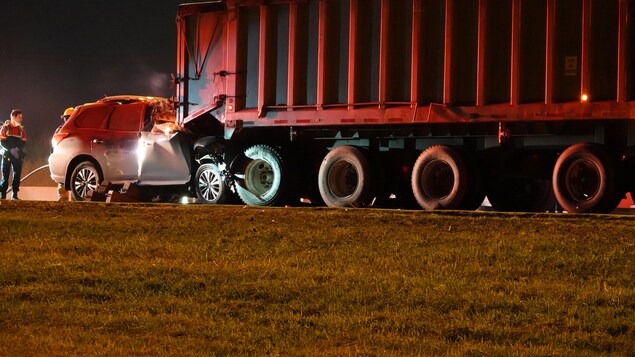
point(262, 178)
point(344, 178)
point(210, 185)
point(587, 179)
point(442, 178)
point(85, 178)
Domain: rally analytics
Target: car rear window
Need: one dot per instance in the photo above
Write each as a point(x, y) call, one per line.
point(126, 117)
point(92, 117)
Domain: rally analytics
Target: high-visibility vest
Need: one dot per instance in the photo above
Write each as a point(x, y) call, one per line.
point(9, 130)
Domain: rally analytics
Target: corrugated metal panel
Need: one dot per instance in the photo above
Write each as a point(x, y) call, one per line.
point(439, 59)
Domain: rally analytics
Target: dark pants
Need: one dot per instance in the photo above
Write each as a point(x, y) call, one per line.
point(17, 173)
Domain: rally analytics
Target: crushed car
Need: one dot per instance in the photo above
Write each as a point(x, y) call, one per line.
point(119, 140)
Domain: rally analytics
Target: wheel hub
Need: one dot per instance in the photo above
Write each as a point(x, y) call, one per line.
point(437, 179)
point(85, 181)
point(343, 179)
point(210, 184)
point(259, 177)
point(583, 180)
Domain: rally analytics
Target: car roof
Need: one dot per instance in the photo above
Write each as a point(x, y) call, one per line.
point(162, 106)
point(130, 99)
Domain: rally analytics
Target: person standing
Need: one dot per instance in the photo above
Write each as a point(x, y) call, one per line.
point(12, 140)
point(62, 194)
point(67, 114)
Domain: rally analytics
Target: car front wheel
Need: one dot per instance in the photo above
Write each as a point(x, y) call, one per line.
point(210, 185)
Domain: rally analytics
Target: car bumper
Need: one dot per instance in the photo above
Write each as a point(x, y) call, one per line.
point(57, 167)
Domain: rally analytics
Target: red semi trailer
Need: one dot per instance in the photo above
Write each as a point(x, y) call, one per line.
point(434, 103)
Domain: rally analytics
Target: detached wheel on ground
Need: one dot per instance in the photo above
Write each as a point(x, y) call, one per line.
point(344, 178)
point(84, 179)
point(262, 180)
point(210, 185)
point(587, 179)
point(443, 177)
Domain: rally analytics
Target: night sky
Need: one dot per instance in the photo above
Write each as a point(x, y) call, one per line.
point(56, 54)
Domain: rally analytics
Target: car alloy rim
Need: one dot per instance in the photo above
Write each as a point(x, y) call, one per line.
point(86, 180)
point(210, 184)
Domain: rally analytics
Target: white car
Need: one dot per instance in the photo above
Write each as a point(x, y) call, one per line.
point(120, 139)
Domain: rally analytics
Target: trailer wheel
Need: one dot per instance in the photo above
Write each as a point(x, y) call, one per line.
point(262, 178)
point(85, 178)
point(587, 179)
point(210, 185)
point(443, 178)
point(344, 178)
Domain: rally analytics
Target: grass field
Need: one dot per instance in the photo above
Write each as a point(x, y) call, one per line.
point(137, 279)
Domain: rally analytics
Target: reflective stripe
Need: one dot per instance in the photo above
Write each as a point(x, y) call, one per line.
point(10, 130)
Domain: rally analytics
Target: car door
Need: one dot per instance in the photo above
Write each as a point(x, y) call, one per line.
point(116, 146)
point(164, 158)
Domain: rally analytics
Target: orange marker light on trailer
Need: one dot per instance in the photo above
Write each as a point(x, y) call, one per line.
point(584, 98)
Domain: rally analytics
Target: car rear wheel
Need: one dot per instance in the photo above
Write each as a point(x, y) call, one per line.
point(84, 179)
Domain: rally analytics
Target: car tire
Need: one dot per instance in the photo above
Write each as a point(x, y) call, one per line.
point(210, 185)
point(84, 179)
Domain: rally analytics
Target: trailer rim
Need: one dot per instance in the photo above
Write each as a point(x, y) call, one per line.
point(343, 179)
point(583, 180)
point(259, 177)
point(437, 179)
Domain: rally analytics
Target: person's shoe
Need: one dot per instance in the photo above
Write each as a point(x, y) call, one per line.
point(15, 198)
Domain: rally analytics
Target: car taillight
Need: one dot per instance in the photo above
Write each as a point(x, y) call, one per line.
point(57, 138)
